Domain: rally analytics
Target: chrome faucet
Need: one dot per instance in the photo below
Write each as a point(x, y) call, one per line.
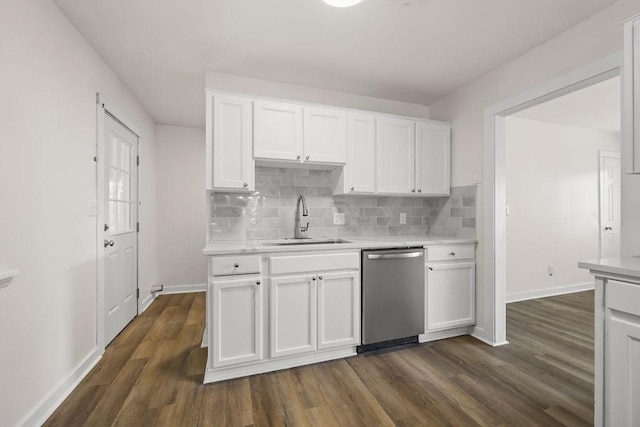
point(298, 230)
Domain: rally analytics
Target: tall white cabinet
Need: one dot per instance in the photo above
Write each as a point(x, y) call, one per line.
point(631, 97)
point(230, 165)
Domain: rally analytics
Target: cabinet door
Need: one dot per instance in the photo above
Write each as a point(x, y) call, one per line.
point(338, 309)
point(230, 163)
point(293, 315)
point(277, 131)
point(622, 355)
point(395, 156)
point(360, 168)
point(236, 335)
point(325, 135)
point(450, 295)
point(433, 158)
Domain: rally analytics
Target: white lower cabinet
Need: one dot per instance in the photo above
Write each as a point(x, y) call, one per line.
point(292, 315)
point(622, 354)
point(450, 287)
point(314, 312)
point(236, 320)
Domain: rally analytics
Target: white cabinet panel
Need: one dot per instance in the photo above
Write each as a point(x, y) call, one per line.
point(433, 158)
point(450, 295)
point(325, 133)
point(631, 97)
point(236, 335)
point(230, 164)
point(622, 355)
point(395, 156)
point(361, 139)
point(292, 315)
point(278, 131)
point(338, 309)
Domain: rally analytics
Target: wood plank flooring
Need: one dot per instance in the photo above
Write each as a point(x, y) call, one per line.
point(152, 374)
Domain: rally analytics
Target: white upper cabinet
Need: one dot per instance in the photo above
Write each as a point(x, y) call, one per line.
point(359, 174)
point(278, 131)
point(433, 154)
point(631, 97)
point(290, 132)
point(230, 165)
point(325, 133)
point(395, 156)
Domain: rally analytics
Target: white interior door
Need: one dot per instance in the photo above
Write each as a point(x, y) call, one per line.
point(120, 242)
point(609, 205)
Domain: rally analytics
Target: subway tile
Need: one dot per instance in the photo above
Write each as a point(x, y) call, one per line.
point(458, 212)
point(469, 222)
point(469, 201)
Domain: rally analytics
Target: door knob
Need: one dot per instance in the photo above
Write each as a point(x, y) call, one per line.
point(108, 243)
point(608, 228)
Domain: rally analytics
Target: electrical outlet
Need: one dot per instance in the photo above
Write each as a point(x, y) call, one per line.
point(550, 269)
point(403, 218)
point(338, 218)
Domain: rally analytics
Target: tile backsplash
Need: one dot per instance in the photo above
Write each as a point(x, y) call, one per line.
point(269, 212)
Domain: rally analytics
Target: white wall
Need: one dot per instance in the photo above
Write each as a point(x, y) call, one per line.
point(48, 80)
point(591, 40)
point(266, 88)
point(552, 189)
point(182, 211)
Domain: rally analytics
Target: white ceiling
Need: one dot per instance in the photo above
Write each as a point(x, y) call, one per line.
point(594, 107)
point(408, 50)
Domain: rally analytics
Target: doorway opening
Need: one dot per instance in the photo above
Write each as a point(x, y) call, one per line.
point(495, 116)
point(117, 194)
point(554, 152)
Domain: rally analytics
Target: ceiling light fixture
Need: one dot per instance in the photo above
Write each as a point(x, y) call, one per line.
point(342, 3)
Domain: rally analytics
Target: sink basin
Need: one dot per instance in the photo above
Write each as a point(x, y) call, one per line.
point(304, 241)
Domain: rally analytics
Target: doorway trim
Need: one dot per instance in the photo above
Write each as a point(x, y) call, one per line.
point(104, 107)
point(495, 310)
point(601, 190)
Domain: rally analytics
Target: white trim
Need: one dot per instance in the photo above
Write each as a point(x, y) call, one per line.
point(50, 403)
point(549, 292)
point(146, 303)
point(495, 325)
point(447, 333)
point(182, 289)
point(478, 333)
point(220, 374)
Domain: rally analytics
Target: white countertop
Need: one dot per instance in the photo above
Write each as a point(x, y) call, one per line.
point(625, 266)
point(373, 242)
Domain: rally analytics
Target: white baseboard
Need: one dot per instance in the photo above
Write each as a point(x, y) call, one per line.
point(146, 303)
point(543, 293)
point(50, 403)
point(182, 289)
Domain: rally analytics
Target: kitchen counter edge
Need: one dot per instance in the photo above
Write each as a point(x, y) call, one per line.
point(251, 247)
point(623, 266)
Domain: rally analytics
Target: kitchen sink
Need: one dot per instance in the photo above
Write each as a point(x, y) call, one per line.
point(303, 241)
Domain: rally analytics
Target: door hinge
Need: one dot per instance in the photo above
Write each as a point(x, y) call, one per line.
point(137, 227)
point(95, 159)
point(106, 227)
point(137, 160)
point(138, 293)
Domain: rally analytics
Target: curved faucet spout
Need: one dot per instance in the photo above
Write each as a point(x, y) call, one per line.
point(298, 230)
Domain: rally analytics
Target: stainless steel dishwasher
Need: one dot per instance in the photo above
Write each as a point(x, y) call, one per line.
point(392, 297)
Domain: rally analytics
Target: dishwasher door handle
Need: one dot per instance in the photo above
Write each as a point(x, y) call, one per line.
point(395, 256)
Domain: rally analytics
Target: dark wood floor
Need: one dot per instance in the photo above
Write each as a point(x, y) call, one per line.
point(152, 375)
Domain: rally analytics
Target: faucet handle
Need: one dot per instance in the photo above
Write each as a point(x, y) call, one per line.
point(304, 229)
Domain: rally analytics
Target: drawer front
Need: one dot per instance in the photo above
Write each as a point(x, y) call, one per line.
point(623, 297)
point(235, 264)
point(314, 263)
point(450, 252)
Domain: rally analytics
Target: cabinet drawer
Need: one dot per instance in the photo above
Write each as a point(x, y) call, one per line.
point(450, 252)
point(623, 297)
point(313, 263)
point(235, 264)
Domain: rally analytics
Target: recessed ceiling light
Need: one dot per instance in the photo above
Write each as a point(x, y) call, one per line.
point(342, 3)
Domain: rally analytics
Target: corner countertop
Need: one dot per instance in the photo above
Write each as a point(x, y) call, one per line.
point(624, 266)
point(377, 242)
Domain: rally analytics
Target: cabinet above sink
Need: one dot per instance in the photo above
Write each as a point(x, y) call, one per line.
point(369, 153)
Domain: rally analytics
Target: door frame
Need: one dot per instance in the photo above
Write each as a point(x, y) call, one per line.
point(494, 331)
point(601, 193)
point(104, 107)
